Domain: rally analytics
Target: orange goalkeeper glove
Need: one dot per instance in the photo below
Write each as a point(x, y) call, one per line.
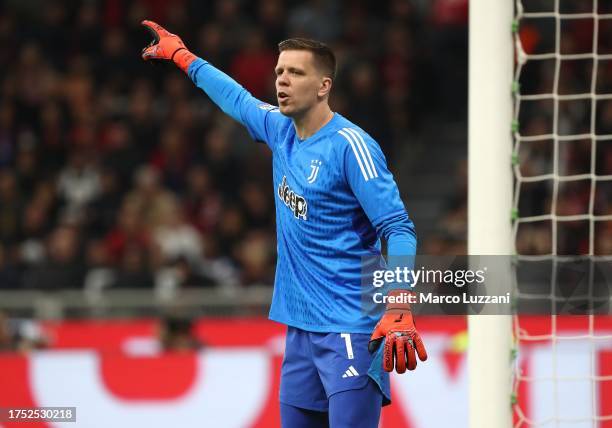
point(166, 46)
point(401, 338)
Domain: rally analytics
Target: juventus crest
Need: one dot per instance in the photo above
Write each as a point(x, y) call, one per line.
point(314, 166)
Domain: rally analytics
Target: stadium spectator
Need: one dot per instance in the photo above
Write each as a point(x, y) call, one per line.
point(101, 274)
point(9, 275)
point(149, 199)
point(252, 65)
point(35, 227)
point(21, 335)
point(177, 334)
point(202, 202)
point(176, 238)
point(62, 266)
point(84, 136)
point(6, 342)
point(128, 231)
point(133, 270)
point(78, 184)
point(10, 207)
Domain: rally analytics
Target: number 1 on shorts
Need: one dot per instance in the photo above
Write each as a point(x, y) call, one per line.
point(349, 347)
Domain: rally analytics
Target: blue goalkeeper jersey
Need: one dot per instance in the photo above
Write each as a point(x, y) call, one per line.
point(335, 197)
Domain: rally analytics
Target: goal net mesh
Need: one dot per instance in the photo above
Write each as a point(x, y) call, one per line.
point(562, 207)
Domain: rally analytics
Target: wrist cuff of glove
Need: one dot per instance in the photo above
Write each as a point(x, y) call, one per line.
point(183, 58)
point(399, 303)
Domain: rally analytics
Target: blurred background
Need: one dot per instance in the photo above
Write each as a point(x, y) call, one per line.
point(137, 221)
point(116, 174)
point(137, 231)
point(583, 125)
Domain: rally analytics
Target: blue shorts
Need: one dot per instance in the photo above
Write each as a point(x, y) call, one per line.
point(318, 365)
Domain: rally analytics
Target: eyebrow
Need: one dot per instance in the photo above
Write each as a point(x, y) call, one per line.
point(277, 69)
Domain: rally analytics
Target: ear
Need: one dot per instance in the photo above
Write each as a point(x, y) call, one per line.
point(326, 85)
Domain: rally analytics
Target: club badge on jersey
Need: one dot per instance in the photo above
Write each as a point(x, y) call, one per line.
point(315, 165)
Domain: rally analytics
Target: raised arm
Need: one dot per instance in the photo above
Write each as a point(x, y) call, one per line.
point(262, 120)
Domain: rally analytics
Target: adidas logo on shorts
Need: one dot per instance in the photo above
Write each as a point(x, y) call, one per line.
point(350, 372)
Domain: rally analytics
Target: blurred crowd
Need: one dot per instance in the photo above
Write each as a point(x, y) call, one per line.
point(582, 163)
point(589, 153)
point(117, 173)
point(21, 335)
point(173, 333)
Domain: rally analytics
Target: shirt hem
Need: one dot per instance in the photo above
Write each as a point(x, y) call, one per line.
point(323, 328)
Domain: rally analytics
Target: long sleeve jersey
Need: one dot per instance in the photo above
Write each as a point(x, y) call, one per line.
point(335, 198)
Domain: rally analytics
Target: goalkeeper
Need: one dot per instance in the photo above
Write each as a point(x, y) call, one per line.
point(335, 198)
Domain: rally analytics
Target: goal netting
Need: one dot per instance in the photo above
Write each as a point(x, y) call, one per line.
point(562, 211)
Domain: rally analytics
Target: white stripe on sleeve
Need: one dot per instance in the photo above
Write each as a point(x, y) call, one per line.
point(358, 137)
point(363, 155)
point(350, 140)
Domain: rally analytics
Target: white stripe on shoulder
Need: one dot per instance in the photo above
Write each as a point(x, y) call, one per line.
point(363, 155)
point(350, 140)
point(358, 136)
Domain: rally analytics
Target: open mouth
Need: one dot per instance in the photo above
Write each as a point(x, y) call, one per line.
point(282, 96)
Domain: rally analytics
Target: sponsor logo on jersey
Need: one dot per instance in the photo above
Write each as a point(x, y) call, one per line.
point(314, 170)
point(295, 202)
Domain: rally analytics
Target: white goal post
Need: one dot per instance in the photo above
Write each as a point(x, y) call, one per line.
point(490, 201)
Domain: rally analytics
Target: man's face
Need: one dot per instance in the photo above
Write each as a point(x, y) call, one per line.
point(298, 82)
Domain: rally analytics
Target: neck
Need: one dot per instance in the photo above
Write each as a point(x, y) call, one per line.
point(313, 120)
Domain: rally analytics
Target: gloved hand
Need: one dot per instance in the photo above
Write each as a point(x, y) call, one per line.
point(401, 338)
point(166, 46)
